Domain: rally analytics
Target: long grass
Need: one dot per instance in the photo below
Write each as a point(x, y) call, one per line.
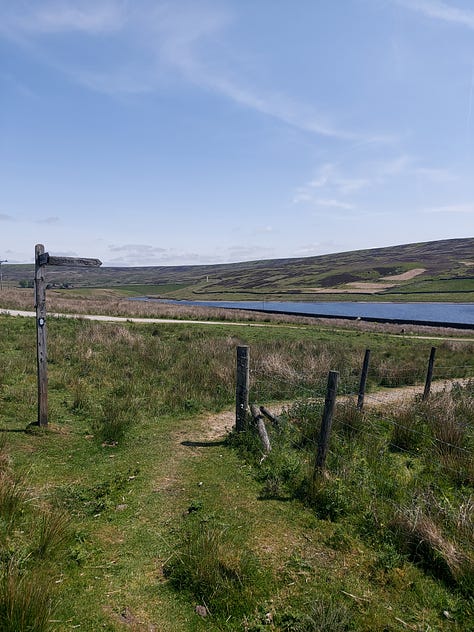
point(127, 490)
point(26, 601)
point(401, 483)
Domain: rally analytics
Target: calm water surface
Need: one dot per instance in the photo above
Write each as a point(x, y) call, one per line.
point(437, 313)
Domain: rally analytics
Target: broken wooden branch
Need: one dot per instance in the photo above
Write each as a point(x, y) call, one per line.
point(261, 429)
point(275, 420)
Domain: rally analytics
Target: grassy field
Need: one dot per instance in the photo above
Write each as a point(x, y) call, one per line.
point(440, 270)
point(133, 507)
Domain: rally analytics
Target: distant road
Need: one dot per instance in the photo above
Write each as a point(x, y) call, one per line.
point(130, 319)
point(174, 321)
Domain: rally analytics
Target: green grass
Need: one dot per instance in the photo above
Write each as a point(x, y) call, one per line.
point(154, 516)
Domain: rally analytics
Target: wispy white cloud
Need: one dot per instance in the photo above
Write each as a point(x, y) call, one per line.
point(58, 16)
point(318, 248)
point(137, 249)
point(434, 174)
point(330, 181)
point(332, 185)
point(451, 209)
point(148, 255)
point(6, 218)
point(335, 204)
point(439, 10)
point(162, 39)
point(48, 221)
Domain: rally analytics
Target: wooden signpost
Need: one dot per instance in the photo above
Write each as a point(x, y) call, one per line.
point(42, 259)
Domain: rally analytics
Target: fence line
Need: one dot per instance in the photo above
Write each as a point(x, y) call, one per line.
point(352, 389)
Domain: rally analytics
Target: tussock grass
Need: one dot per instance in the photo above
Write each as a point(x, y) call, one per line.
point(12, 497)
point(422, 539)
point(26, 601)
point(409, 430)
point(54, 532)
point(31, 538)
point(211, 563)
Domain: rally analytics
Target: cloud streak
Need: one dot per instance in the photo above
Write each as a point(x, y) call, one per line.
point(60, 16)
point(443, 11)
point(451, 208)
point(6, 218)
point(162, 38)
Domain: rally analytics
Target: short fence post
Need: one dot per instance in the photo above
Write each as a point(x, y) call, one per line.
point(326, 425)
point(242, 388)
point(429, 374)
point(363, 380)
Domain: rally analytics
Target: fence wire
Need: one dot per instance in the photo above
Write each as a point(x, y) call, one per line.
point(381, 421)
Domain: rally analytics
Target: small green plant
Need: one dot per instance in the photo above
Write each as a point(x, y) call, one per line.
point(330, 498)
point(112, 424)
point(320, 615)
point(409, 433)
point(212, 564)
point(348, 419)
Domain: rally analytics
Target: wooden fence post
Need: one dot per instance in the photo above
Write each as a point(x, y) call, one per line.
point(363, 380)
point(326, 424)
point(41, 349)
point(242, 388)
point(429, 374)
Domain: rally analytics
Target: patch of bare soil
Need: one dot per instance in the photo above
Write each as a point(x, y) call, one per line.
point(405, 276)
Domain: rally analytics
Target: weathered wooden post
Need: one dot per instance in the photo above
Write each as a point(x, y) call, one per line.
point(43, 259)
point(41, 349)
point(326, 424)
point(429, 374)
point(261, 428)
point(363, 380)
point(242, 388)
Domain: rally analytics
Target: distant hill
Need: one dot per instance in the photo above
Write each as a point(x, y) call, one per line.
point(416, 271)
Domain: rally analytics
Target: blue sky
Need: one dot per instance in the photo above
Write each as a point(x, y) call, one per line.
point(168, 132)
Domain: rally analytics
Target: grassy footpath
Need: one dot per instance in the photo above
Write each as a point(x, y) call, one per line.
point(129, 512)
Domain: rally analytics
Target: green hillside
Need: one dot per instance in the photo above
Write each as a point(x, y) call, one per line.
point(443, 270)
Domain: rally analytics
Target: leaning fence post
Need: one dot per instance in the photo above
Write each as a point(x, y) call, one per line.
point(363, 380)
point(326, 425)
point(429, 374)
point(242, 388)
point(261, 429)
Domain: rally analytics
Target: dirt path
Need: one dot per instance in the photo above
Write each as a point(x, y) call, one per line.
point(215, 427)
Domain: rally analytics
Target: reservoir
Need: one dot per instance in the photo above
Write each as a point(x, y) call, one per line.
point(437, 314)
